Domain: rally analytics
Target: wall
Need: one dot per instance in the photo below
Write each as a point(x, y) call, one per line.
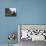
point(28, 12)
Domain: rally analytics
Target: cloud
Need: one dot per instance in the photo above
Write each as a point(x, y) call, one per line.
point(13, 9)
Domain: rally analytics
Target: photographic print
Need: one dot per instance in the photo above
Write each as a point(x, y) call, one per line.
point(28, 34)
point(33, 32)
point(10, 11)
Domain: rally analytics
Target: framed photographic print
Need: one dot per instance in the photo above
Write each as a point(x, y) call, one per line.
point(10, 11)
point(32, 32)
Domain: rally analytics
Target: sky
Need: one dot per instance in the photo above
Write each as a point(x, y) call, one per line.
point(13, 9)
